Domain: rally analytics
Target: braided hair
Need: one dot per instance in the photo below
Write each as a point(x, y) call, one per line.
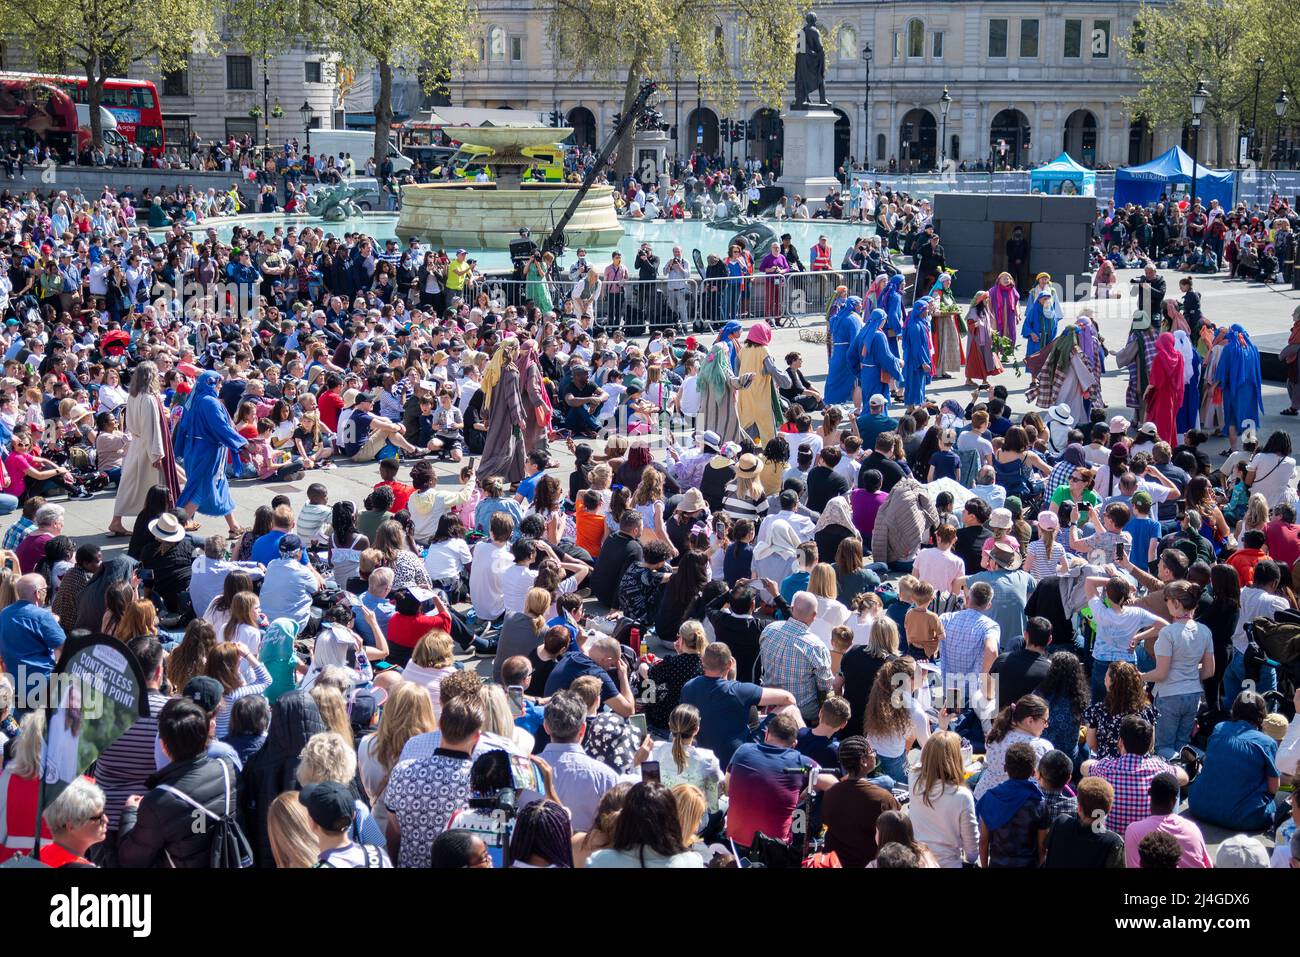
point(542, 829)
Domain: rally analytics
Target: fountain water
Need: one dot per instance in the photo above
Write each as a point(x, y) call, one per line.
point(488, 215)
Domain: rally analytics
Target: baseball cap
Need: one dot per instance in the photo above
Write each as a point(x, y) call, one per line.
point(329, 804)
point(365, 397)
point(1241, 850)
point(877, 401)
point(1142, 498)
point(290, 544)
point(1148, 429)
point(205, 692)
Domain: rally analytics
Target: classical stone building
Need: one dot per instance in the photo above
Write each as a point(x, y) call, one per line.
point(1036, 77)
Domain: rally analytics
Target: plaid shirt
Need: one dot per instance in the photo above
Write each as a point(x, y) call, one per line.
point(961, 652)
point(797, 662)
point(1130, 775)
point(17, 532)
point(1060, 475)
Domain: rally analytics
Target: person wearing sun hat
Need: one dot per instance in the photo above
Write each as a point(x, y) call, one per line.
point(1059, 423)
point(746, 498)
point(1011, 586)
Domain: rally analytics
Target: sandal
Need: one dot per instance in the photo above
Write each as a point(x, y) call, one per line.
point(1289, 412)
point(112, 534)
point(236, 533)
point(193, 525)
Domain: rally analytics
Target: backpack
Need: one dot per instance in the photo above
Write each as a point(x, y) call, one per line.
point(229, 849)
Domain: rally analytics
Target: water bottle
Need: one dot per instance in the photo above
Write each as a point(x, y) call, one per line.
point(639, 643)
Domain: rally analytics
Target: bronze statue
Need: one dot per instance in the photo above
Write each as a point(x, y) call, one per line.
point(810, 67)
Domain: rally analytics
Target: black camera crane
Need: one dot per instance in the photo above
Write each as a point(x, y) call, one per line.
point(639, 115)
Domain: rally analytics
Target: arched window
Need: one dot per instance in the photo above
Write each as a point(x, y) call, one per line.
point(915, 38)
point(848, 42)
point(496, 44)
point(880, 146)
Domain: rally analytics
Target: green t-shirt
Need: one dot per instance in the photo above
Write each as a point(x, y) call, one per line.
point(1062, 494)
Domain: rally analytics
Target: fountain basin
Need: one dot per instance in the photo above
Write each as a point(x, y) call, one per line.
point(481, 216)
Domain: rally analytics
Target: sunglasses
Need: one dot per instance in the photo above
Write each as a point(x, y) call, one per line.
point(1077, 478)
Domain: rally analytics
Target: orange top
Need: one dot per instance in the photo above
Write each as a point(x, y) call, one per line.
point(590, 530)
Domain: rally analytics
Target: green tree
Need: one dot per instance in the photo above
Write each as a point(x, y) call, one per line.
point(426, 37)
point(638, 41)
point(1179, 44)
point(103, 37)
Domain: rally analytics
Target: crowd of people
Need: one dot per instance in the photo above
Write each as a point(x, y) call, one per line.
point(756, 621)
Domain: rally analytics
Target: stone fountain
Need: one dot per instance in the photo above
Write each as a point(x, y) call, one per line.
point(480, 216)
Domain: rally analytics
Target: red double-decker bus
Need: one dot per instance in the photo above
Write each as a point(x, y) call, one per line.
point(134, 103)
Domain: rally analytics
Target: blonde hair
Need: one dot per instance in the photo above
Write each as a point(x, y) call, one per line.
point(26, 761)
point(905, 586)
point(407, 712)
point(884, 636)
point(1256, 512)
point(940, 766)
point(434, 650)
point(497, 717)
point(288, 828)
point(822, 581)
point(690, 811)
point(327, 756)
point(333, 709)
point(692, 636)
point(536, 604)
point(601, 477)
point(684, 723)
point(651, 487)
point(243, 611)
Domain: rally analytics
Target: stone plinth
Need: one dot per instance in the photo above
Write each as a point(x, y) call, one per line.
point(808, 156)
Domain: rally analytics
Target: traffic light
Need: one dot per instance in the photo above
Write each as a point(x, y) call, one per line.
point(746, 130)
point(726, 128)
point(557, 118)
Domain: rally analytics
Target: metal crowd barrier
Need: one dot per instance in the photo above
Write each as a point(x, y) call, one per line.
point(694, 304)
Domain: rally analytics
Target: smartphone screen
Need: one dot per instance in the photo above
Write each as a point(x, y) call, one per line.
point(516, 695)
point(637, 721)
point(650, 771)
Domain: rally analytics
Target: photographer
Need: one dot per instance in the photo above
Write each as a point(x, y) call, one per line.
point(678, 271)
point(647, 271)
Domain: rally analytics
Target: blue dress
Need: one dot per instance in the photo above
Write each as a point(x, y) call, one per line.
point(918, 354)
point(844, 328)
point(1040, 321)
point(202, 439)
point(1189, 413)
point(871, 359)
point(891, 301)
point(1239, 376)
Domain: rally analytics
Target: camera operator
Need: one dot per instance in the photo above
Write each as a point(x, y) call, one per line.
point(647, 270)
point(677, 271)
point(1150, 289)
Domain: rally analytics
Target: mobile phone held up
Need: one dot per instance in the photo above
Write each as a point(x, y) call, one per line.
point(650, 772)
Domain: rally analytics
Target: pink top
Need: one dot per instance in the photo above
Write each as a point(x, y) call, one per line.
point(939, 568)
point(1186, 833)
point(17, 465)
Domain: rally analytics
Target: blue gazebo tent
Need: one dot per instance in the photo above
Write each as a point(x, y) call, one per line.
point(1171, 173)
point(1063, 176)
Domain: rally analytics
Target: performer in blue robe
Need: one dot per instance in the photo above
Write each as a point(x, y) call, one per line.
point(870, 358)
point(1041, 317)
point(1239, 375)
point(918, 354)
point(843, 330)
point(891, 300)
point(202, 439)
point(730, 334)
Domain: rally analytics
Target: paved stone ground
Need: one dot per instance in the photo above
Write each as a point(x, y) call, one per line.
point(1263, 311)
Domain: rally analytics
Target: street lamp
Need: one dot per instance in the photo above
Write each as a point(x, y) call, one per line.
point(945, 101)
point(266, 102)
point(677, 103)
point(1254, 115)
point(1280, 107)
point(307, 112)
point(866, 106)
point(1199, 96)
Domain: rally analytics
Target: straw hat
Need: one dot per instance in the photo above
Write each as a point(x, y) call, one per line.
point(748, 465)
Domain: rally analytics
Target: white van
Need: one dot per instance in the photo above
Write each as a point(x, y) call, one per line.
point(107, 126)
point(360, 143)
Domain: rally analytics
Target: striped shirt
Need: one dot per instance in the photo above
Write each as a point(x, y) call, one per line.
point(1042, 564)
point(739, 508)
point(965, 633)
point(261, 681)
point(123, 766)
